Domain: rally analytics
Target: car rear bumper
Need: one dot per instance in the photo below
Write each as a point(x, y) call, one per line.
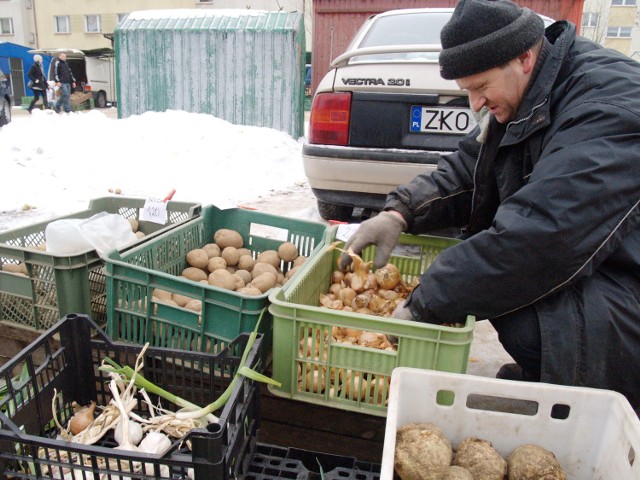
point(363, 170)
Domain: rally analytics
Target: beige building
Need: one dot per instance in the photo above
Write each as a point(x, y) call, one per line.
point(89, 24)
point(613, 24)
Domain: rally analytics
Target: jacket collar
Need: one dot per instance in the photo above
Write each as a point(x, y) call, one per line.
point(534, 111)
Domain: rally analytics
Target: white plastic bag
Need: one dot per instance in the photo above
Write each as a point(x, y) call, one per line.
point(103, 232)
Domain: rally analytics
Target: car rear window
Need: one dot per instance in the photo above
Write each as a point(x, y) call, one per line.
point(409, 29)
point(406, 29)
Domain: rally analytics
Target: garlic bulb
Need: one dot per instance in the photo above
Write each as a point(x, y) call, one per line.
point(135, 432)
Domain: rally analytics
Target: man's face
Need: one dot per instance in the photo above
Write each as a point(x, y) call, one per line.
point(500, 89)
point(63, 56)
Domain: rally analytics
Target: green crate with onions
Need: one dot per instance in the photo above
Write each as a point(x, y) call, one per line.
point(67, 365)
point(313, 365)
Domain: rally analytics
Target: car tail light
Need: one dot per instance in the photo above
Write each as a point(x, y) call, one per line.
point(329, 123)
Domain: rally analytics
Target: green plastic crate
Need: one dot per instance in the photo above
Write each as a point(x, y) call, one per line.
point(298, 320)
point(57, 285)
point(135, 316)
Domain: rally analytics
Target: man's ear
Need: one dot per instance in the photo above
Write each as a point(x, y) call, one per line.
point(527, 60)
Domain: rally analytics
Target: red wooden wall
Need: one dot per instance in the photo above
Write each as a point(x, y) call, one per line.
point(336, 21)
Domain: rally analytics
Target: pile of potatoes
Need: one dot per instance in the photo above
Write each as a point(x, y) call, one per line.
point(424, 453)
point(226, 264)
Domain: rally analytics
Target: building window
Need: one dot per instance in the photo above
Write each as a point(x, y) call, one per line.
point(6, 26)
point(619, 32)
point(622, 3)
point(62, 24)
point(590, 19)
point(122, 17)
point(92, 24)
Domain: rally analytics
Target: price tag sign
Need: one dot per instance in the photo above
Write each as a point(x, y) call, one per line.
point(154, 210)
point(346, 230)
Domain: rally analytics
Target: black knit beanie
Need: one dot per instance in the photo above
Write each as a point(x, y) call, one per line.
point(483, 34)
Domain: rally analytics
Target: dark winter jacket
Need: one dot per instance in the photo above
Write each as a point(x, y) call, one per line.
point(62, 72)
point(36, 75)
point(554, 218)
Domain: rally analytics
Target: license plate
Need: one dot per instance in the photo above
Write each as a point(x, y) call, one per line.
point(441, 120)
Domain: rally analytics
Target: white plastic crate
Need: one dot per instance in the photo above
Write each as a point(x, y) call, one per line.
point(594, 433)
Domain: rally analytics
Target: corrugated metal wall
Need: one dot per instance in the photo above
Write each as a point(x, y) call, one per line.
point(336, 21)
point(244, 66)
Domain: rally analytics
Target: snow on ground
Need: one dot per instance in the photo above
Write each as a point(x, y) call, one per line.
point(55, 164)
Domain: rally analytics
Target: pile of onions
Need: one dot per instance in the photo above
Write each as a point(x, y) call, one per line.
point(362, 291)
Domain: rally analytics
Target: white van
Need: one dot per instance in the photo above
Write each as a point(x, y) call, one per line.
point(94, 71)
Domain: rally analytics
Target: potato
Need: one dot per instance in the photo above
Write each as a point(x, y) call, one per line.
point(140, 235)
point(216, 263)
point(263, 282)
point(231, 256)
point(226, 237)
point(245, 251)
point(251, 291)
point(195, 305)
point(269, 256)
point(162, 294)
point(212, 250)
point(259, 268)
point(422, 452)
point(134, 224)
point(197, 257)
point(222, 278)
point(481, 459)
point(291, 272)
point(195, 274)
point(245, 275)
point(181, 300)
point(240, 283)
point(532, 462)
point(287, 251)
point(20, 268)
point(246, 262)
point(299, 260)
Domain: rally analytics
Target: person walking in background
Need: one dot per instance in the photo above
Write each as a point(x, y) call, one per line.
point(65, 81)
point(38, 83)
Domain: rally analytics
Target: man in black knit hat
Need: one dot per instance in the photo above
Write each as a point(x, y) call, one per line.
point(546, 192)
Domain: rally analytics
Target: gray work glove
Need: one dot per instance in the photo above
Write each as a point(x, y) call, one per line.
point(402, 312)
point(383, 231)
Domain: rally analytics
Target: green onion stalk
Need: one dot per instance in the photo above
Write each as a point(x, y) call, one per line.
point(191, 410)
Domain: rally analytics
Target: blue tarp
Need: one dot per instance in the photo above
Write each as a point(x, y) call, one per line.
point(18, 78)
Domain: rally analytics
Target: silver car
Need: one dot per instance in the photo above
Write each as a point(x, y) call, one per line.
point(383, 114)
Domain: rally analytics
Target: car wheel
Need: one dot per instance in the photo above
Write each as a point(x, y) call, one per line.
point(5, 112)
point(331, 211)
point(101, 100)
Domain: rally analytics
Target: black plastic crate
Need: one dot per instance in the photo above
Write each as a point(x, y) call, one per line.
point(67, 358)
point(273, 462)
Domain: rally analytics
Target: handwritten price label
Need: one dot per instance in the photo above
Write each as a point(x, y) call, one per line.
point(154, 210)
point(346, 230)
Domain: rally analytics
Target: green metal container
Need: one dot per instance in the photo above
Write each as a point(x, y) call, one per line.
point(243, 66)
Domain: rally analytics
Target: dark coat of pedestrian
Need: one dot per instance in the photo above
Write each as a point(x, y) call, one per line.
point(39, 83)
point(65, 81)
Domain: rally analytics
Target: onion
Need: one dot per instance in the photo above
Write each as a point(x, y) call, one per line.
point(82, 418)
point(388, 276)
point(346, 295)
